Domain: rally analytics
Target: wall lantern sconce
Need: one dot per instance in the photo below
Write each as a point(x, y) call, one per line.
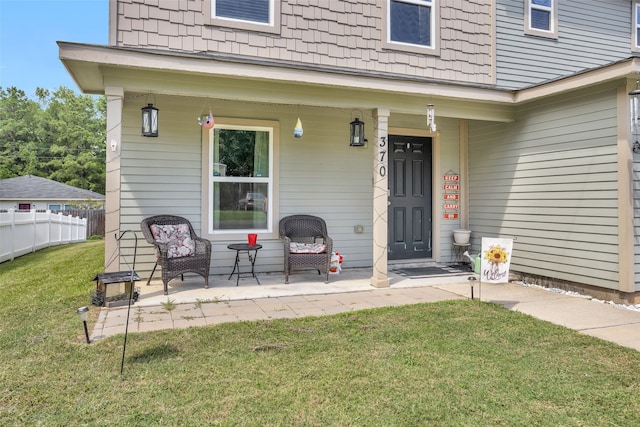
point(83, 312)
point(149, 120)
point(431, 117)
point(356, 138)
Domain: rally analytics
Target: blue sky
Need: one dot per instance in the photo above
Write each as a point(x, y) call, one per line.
point(29, 30)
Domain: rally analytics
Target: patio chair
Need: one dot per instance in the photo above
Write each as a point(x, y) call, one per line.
point(178, 249)
point(306, 244)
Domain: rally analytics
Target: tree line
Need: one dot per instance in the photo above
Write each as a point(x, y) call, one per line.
point(59, 135)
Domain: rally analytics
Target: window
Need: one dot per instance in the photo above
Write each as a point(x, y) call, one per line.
point(541, 18)
point(243, 10)
point(24, 206)
point(54, 207)
point(411, 25)
point(255, 15)
point(241, 183)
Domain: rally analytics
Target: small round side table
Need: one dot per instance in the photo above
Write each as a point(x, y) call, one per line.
point(243, 247)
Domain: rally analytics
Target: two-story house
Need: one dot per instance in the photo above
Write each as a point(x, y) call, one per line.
point(529, 98)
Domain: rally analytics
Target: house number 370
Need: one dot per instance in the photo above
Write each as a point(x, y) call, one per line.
point(382, 168)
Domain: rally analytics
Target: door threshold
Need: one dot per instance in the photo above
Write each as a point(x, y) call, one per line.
point(409, 263)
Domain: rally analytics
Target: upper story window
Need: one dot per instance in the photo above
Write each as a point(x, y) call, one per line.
point(240, 185)
point(244, 10)
point(541, 18)
point(255, 15)
point(411, 25)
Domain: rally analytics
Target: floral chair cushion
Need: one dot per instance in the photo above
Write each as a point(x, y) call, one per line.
point(307, 248)
point(177, 238)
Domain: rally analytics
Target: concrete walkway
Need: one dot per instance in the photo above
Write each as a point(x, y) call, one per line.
point(308, 295)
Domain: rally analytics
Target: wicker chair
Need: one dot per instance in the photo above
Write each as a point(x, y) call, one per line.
point(305, 229)
point(197, 260)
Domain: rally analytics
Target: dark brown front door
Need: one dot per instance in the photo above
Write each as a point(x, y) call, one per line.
point(410, 197)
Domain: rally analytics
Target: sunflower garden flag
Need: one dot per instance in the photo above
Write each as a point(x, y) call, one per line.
point(496, 257)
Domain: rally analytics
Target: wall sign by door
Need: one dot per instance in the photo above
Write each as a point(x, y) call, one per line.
point(451, 195)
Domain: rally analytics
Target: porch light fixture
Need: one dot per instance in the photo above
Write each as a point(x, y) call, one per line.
point(149, 120)
point(357, 133)
point(634, 98)
point(83, 312)
point(431, 117)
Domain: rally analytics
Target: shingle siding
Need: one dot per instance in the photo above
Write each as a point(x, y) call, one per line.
point(338, 33)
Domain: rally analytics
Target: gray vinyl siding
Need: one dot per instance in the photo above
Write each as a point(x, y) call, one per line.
point(319, 174)
point(591, 33)
point(449, 161)
point(159, 175)
point(550, 181)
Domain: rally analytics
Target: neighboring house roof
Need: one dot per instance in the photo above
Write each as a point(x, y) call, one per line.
point(31, 187)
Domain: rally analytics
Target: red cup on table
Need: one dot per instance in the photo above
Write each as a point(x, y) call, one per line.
point(252, 238)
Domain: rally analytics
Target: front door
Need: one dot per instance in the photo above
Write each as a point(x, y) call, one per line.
point(409, 197)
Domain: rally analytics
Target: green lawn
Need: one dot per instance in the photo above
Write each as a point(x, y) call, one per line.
point(454, 363)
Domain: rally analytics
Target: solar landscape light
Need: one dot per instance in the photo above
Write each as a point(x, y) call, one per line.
point(83, 312)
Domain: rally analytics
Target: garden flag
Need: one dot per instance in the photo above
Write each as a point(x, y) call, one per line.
point(496, 257)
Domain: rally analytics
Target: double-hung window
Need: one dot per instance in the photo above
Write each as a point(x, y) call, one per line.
point(541, 18)
point(240, 183)
point(411, 25)
point(258, 15)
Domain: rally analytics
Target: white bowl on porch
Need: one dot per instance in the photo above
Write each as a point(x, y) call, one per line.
point(461, 237)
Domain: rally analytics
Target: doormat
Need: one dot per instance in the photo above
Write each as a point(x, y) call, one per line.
point(418, 272)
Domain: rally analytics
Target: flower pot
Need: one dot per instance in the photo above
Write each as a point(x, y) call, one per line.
point(461, 237)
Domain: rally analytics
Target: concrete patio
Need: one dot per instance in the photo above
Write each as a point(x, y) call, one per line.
point(308, 295)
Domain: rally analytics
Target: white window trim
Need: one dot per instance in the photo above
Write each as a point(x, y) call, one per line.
point(635, 46)
point(273, 211)
point(273, 26)
point(529, 30)
point(387, 43)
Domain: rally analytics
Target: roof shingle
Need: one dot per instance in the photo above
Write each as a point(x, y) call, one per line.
point(34, 187)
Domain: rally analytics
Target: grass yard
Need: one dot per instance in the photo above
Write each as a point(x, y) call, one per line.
point(454, 363)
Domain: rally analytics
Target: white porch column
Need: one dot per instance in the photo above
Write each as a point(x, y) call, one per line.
point(626, 202)
point(380, 277)
point(115, 103)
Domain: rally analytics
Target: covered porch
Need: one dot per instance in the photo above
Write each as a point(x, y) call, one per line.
point(318, 173)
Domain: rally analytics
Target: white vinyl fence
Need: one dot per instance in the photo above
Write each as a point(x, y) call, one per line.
point(23, 232)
